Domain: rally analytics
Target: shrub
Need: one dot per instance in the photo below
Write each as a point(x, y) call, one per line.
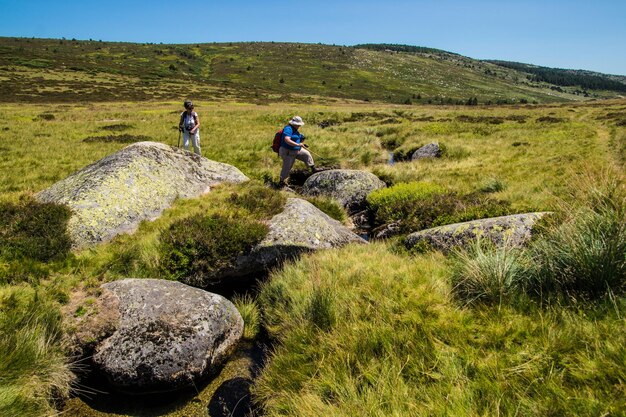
point(34, 230)
point(201, 246)
point(472, 207)
point(397, 202)
point(329, 206)
point(261, 202)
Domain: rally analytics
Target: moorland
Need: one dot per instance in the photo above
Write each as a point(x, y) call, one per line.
point(363, 330)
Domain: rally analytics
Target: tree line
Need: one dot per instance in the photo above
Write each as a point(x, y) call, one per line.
point(564, 77)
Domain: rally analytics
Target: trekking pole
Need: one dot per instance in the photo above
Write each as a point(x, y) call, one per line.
point(316, 154)
point(179, 133)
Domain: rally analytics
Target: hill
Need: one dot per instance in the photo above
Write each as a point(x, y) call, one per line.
point(53, 70)
point(567, 77)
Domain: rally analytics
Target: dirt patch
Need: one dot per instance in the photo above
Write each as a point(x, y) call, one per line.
point(126, 138)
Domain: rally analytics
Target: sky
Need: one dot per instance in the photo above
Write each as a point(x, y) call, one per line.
point(555, 33)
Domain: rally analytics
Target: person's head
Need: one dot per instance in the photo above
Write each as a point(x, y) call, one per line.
point(188, 105)
point(296, 122)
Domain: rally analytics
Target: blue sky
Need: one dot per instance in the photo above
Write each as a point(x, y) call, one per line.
point(557, 33)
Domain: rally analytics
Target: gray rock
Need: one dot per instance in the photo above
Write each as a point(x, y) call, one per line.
point(387, 231)
point(431, 150)
point(115, 194)
point(167, 335)
point(514, 230)
point(349, 187)
point(301, 227)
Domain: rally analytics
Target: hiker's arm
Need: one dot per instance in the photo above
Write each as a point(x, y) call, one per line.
point(180, 123)
point(290, 142)
point(195, 128)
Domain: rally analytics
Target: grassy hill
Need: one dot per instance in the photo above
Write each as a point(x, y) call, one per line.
point(52, 70)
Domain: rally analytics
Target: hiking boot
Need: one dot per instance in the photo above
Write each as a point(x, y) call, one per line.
point(314, 169)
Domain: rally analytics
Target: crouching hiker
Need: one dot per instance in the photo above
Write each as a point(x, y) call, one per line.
point(190, 126)
point(292, 148)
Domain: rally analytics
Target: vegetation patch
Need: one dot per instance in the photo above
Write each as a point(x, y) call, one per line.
point(201, 246)
point(580, 255)
point(125, 138)
point(116, 127)
point(34, 368)
point(259, 201)
point(45, 116)
point(550, 119)
point(364, 329)
point(420, 205)
point(33, 230)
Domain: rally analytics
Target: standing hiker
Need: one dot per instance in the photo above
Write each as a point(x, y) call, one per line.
point(190, 126)
point(292, 148)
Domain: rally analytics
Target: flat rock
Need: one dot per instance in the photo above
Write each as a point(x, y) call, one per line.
point(165, 336)
point(301, 227)
point(349, 187)
point(514, 230)
point(114, 194)
point(430, 150)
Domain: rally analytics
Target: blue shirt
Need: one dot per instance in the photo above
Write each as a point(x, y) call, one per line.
point(294, 135)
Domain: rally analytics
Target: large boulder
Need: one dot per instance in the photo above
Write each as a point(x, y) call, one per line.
point(349, 187)
point(514, 230)
point(431, 150)
point(160, 335)
point(301, 227)
point(114, 194)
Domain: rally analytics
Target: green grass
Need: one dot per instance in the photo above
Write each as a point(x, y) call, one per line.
point(34, 370)
point(383, 336)
point(345, 319)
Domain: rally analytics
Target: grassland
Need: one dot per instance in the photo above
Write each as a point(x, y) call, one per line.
point(49, 70)
point(391, 338)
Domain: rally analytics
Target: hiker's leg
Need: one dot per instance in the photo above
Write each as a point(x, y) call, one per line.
point(195, 140)
point(186, 140)
point(305, 156)
point(289, 157)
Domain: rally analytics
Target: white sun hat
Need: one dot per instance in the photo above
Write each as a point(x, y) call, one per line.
point(296, 121)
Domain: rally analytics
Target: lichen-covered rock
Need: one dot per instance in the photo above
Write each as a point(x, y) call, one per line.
point(301, 227)
point(114, 194)
point(431, 150)
point(514, 230)
point(167, 335)
point(349, 187)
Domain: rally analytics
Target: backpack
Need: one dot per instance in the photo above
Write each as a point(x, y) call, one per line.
point(277, 139)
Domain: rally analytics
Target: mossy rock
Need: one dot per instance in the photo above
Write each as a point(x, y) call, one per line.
point(301, 227)
point(514, 230)
point(431, 150)
point(349, 187)
point(114, 194)
point(160, 335)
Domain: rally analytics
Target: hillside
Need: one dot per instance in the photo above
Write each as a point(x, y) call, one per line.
point(52, 70)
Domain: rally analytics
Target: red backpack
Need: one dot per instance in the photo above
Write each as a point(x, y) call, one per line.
point(277, 138)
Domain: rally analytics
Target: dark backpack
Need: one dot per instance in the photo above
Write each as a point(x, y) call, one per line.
point(277, 138)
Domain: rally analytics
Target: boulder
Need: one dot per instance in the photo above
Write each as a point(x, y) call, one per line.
point(163, 335)
point(349, 187)
point(301, 227)
point(114, 194)
point(514, 230)
point(431, 150)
